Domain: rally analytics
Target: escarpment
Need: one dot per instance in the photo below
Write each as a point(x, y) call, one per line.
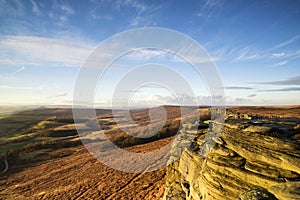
point(252, 158)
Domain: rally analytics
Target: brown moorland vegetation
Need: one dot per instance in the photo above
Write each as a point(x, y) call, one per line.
point(48, 161)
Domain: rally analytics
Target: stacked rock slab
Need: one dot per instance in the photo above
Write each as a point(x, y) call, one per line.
point(243, 164)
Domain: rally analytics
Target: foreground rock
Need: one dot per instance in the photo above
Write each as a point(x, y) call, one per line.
point(252, 159)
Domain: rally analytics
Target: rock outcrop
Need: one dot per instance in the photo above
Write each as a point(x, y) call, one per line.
point(250, 159)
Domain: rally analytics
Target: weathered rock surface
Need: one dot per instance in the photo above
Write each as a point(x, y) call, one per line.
point(249, 160)
point(257, 194)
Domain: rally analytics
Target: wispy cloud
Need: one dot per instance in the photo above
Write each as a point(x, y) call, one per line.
point(240, 100)
point(146, 54)
point(285, 43)
point(12, 8)
point(209, 8)
point(152, 86)
point(290, 81)
point(144, 12)
point(289, 89)
point(251, 53)
point(252, 95)
point(22, 68)
point(211, 3)
point(241, 54)
point(281, 63)
point(151, 53)
point(67, 9)
point(96, 16)
point(278, 55)
point(244, 57)
point(237, 88)
point(35, 8)
point(131, 91)
point(59, 94)
point(40, 50)
point(9, 87)
point(61, 13)
point(63, 8)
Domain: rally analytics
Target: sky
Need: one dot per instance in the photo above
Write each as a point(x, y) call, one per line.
point(255, 46)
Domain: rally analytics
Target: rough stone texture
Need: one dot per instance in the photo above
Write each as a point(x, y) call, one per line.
point(257, 194)
point(247, 161)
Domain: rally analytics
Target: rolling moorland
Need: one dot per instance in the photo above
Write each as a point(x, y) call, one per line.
point(42, 156)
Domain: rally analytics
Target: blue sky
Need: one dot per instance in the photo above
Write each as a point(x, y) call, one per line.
point(254, 44)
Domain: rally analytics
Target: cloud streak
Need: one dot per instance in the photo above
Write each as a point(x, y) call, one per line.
point(252, 95)
point(286, 43)
point(22, 68)
point(59, 94)
point(290, 81)
point(209, 8)
point(35, 8)
point(41, 50)
point(278, 55)
point(237, 88)
point(9, 87)
point(146, 54)
point(289, 89)
point(251, 53)
point(144, 12)
point(281, 63)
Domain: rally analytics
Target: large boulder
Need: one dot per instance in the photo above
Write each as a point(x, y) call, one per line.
point(240, 165)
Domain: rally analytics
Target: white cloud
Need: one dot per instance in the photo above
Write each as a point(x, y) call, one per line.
point(12, 8)
point(196, 59)
point(9, 87)
point(278, 55)
point(252, 95)
point(209, 8)
point(285, 43)
point(95, 16)
point(67, 9)
point(235, 54)
point(35, 7)
point(40, 50)
point(240, 100)
point(246, 54)
point(61, 13)
point(212, 3)
point(245, 57)
point(295, 80)
point(137, 5)
point(146, 54)
point(251, 53)
point(22, 68)
point(59, 94)
point(281, 63)
point(63, 19)
point(144, 12)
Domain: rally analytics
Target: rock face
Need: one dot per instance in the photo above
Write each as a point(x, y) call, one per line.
point(251, 159)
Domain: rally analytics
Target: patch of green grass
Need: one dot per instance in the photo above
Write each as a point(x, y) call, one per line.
point(21, 144)
point(13, 125)
point(12, 146)
point(27, 136)
point(47, 124)
point(17, 137)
